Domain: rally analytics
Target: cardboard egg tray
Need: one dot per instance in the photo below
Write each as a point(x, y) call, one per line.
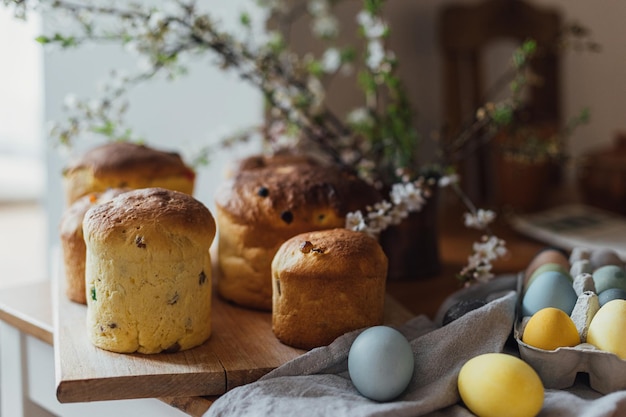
point(558, 368)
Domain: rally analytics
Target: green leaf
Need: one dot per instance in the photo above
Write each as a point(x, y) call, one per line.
point(585, 115)
point(502, 115)
point(244, 19)
point(276, 44)
point(529, 47)
point(314, 67)
point(42, 39)
point(373, 6)
point(348, 54)
point(367, 82)
point(65, 41)
point(107, 129)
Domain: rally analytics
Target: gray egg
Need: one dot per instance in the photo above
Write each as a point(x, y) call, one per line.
point(611, 294)
point(602, 257)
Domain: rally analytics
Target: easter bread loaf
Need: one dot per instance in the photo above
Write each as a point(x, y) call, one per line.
point(73, 242)
point(148, 272)
point(125, 165)
point(265, 203)
point(326, 283)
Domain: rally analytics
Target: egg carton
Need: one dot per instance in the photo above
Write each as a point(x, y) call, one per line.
point(558, 368)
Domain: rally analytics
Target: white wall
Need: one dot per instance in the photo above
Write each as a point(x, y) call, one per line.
point(20, 109)
point(182, 115)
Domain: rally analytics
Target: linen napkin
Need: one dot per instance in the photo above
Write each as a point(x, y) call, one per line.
point(318, 384)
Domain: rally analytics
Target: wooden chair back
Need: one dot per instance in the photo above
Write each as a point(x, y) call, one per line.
point(466, 32)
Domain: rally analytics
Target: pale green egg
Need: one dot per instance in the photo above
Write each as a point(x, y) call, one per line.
point(552, 266)
point(609, 276)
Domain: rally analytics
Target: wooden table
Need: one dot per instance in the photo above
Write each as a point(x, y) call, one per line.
point(29, 308)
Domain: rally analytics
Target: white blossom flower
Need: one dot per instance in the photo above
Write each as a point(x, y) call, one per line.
point(355, 221)
point(364, 18)
point(70, 102)
point(318, 7)
point(405, 198)
point(331, 60)
point(325, 26)
point(375, 54)
point(482, 273)
point(382, 207)
point(447, 180)
point(480, 262)
point(373, 26)
point(409, 195)
point(479, 220)
point(494, 247)
point(360, 117)
point(375, 29)
point(397, 214)
point(156, 20)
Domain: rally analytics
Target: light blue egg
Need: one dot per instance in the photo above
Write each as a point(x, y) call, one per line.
point(381, 363)
point(610, 295)
point(550, 266)
point(549, 289)
point(609, 276)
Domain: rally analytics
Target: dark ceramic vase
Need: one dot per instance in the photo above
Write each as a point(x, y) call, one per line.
point(412, 247)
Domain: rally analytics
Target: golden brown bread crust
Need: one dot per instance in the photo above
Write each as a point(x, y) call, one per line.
point(144, 212)
point(122, 164)
point(73, 242)
point(294, 196)
point(260, 208)
point(148, 272)
point(327, 283)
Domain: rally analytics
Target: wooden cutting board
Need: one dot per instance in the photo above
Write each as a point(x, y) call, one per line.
point(242, 348)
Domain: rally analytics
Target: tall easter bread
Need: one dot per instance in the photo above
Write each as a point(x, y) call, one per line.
point(148, 272)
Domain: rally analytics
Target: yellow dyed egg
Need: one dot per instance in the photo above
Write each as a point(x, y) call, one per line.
point(550, 328)
point(500, 385)
point(607, 330)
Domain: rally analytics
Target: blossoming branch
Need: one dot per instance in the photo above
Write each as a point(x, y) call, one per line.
point(377, 140)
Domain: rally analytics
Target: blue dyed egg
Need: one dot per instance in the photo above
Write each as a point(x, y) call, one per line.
point(609, 276)
point(381, 363)
point(549, 289)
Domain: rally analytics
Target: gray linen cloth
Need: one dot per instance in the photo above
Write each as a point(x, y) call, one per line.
point(317, 383)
